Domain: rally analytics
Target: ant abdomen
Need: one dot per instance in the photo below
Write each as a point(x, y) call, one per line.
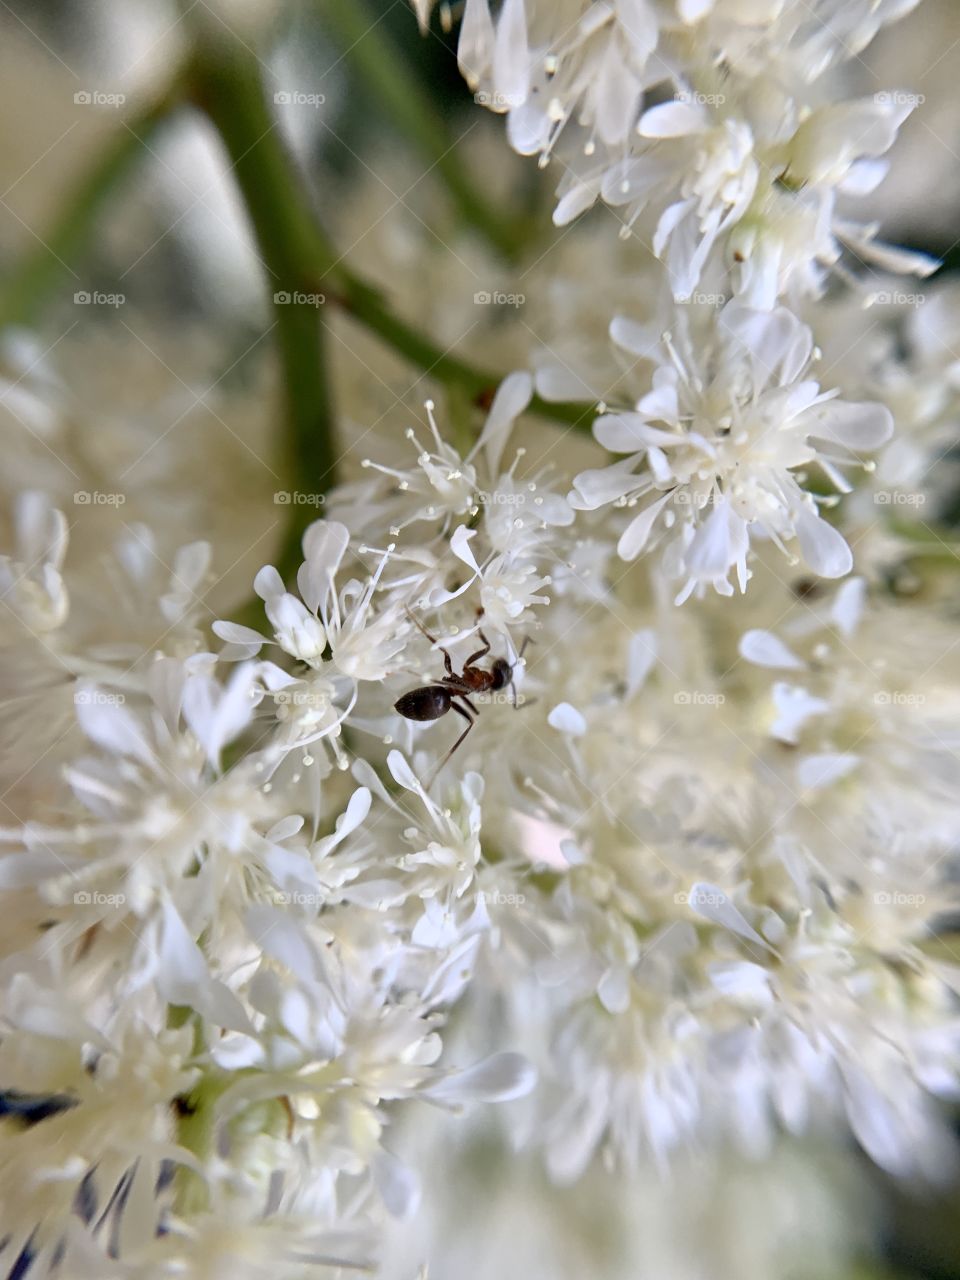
point(427, 703)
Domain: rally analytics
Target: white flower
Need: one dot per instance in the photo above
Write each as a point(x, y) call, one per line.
point(31, 583)
point(707, 164)
point(732, 416)
point(546, 63)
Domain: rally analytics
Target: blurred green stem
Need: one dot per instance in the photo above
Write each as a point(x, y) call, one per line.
point(295, 257)
point(410, 110)
point(40, 271)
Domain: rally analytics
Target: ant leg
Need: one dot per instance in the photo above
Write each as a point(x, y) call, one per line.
point(481, 653)
point(470, 723)
point(433, 639)
point(464, 697)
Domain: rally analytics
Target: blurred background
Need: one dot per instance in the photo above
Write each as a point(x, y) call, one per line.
point(242, 242)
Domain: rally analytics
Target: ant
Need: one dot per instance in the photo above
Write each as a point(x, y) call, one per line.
point(431, 701)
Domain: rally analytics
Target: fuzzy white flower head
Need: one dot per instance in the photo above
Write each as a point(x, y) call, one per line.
point(723, 434)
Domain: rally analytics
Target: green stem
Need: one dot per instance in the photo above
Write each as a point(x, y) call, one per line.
point(366, 305)
point(412, 111)
point(297, 262)
point(44, 265)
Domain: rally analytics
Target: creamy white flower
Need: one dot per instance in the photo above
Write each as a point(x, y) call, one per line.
point(732, 417)
point(546, 63)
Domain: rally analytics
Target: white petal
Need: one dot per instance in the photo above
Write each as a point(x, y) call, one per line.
point(268, 583)
point(627, 433)
point(511, 58)
point(397, 1183)
point(324, 545)
point(719, 543)
point(822, 770)
point(823, 548)
point(641, 340)
point(637, 533)
point(848, 604)
point(592, 489)
point(460, 546)
point(567, 719)
point(856, 426)
point(500, 1078)
point(402, 773)
point(764, 649)
point(477, 38)
point(710, 902)
point(513, 395)
point(234, 633)
point(673, 120)
point(641, 656)
point(110, 725)
point(613, 990)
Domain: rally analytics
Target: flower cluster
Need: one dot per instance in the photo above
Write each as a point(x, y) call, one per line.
point(621, 791)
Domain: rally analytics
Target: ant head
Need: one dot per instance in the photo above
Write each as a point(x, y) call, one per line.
point(502, 671)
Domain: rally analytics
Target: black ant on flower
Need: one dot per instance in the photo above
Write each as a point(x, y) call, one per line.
point(431, 701)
